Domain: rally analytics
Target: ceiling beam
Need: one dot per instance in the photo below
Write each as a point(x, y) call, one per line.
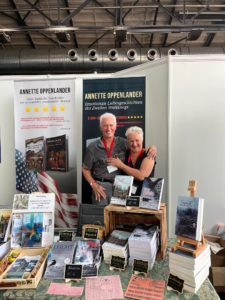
point(75, 12)
point(154, 23)
point(21, 22)
point(71, 24)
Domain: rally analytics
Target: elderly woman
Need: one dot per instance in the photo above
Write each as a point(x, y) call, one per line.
point(136, 163)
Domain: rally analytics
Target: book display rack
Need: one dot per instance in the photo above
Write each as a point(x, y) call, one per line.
point(116, 216)
point(186, 244)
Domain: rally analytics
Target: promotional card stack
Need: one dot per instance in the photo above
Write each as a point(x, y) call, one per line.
point(190, 257)
point(32, 235)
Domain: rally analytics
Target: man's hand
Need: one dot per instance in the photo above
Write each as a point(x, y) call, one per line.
point(151, 152)
point(99, 191)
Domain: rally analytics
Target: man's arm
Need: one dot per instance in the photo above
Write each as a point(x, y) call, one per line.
point(97, 188)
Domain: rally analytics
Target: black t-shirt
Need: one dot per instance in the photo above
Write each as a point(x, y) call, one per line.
point(137, 183)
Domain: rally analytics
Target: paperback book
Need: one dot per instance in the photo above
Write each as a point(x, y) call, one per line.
point(35, 154)
point(189, 217)
point(88, 254)
point(151, 193)
point(22, 267)
point(62, 253)
point(121, 189)
point(57, 153)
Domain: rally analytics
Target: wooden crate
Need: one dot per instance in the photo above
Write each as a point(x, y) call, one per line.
point(115, 215)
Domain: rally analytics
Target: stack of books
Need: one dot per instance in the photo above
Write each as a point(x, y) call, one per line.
point(88, 254)
point(116, 245)
point(193, 270)
point(143, 245)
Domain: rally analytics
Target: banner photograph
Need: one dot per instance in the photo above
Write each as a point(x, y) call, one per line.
point(123, 97)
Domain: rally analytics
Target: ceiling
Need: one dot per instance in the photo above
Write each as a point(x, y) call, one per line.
point(112, 24)
point(69, 36)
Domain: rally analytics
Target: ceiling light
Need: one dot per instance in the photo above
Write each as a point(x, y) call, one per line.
point(63, 36)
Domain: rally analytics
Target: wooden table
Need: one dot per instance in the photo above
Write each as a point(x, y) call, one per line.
point(115, 215)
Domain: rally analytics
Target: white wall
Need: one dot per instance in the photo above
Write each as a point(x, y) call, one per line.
point(197, 134)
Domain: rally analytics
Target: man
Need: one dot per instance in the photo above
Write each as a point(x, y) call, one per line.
point(95, 169)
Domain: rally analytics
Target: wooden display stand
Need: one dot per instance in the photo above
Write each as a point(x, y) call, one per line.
point(186, 244)
point(115, 215)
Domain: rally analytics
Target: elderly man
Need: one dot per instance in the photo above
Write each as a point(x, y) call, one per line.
point(96, 171)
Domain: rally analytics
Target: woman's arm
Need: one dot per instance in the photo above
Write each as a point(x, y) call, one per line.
point(145, 170)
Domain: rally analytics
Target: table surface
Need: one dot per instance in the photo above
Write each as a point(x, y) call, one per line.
point(159, 271)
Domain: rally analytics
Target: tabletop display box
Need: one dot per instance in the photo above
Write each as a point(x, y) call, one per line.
point(217, 273)
point(32, 235)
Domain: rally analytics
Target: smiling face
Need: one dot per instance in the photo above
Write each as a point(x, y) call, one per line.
point(108, 127)
point(135, 142)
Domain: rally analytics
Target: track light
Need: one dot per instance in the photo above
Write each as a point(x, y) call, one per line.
point(63, 36)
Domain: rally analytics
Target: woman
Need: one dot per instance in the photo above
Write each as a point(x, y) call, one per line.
point(136, 163)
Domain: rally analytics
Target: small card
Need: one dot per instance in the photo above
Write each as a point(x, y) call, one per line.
point(91, 233)
point(111, 169)
point(133, 189)
point(73, 271)
point(66, 235)
point(140, 266)
point(118, 262)
point(175, 283)
point(133, 201)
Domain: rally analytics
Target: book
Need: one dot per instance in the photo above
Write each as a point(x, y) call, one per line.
point(143, 244)
point(62, 253)
point(21, 266)
point(151, 193)
point(57, 153)
point(88, 254)
point(189, 217)
point(116, 245)
point(35, 154)
point(186, 259)
point(122, 187)
point(5, 224)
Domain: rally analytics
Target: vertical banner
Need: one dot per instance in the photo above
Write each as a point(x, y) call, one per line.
point(45, 140)
point(123, 97)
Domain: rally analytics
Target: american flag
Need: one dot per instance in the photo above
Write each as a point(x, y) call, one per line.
point(66, 205)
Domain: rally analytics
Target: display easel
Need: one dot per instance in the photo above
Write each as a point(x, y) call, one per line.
point(185, 244)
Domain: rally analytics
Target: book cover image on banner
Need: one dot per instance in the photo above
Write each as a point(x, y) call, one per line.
point(44, 133)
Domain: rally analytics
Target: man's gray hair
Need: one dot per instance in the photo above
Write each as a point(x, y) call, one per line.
point(106, 115)
point(135, 129)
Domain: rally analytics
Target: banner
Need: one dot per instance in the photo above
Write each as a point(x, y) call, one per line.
point(45, 137)
point(123, 97)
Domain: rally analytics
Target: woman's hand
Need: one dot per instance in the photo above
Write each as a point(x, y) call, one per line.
point(114, 161)
point(151, 152)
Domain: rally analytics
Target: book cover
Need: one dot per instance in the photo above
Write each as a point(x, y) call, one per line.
point(35, 154)
point(189, 217)
point(151, 193)
point(62, 253)
point(121, 189)
point(32, 229)
point(57, 153)
point(22, 266)
point(5, 221)
point(88, 254)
